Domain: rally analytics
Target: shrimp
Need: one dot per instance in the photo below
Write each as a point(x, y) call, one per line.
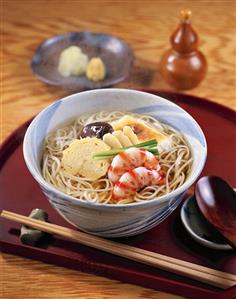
point(130, 159)
point(134, 180)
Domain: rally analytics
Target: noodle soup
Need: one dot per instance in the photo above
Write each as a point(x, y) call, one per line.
point(97, 176)
point(112, 158)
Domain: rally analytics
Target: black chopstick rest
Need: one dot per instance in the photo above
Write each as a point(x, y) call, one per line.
point(31, 236)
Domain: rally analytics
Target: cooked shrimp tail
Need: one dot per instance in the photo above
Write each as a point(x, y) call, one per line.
point(130, 159)
point(132, 181)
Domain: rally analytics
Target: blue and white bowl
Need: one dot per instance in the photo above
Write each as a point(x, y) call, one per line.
point(110, 220)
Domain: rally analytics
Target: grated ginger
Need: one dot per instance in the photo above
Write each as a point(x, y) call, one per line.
point(96, 69)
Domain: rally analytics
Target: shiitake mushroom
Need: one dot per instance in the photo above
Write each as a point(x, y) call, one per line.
point(96, 129)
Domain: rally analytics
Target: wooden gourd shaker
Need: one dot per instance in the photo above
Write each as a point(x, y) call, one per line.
point(183, 66)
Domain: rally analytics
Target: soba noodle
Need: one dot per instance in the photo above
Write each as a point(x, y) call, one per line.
point(176, 162)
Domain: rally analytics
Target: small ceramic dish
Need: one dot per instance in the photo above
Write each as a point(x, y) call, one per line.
point(115, 53)
point(199, 228)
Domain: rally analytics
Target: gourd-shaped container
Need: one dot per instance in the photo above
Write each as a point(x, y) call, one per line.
point(183, 66)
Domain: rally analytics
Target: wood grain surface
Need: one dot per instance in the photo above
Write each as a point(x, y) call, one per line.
point(146, 27)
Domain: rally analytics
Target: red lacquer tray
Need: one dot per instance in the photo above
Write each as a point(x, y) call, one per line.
point(20, 193)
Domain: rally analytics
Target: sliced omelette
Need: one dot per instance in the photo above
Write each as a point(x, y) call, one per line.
point(77, 159)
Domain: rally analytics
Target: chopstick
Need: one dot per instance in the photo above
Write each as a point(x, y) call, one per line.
point(200, 273)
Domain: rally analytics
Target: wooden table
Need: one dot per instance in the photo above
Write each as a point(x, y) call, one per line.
point(146, 26)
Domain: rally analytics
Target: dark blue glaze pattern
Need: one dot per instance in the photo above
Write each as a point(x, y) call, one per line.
point(198, 226)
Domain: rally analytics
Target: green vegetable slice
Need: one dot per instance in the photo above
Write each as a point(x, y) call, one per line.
point(150, 145)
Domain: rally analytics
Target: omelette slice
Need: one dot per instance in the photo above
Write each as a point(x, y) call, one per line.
point(77, 159)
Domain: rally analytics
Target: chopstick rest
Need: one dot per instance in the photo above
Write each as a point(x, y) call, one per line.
point(31, 236)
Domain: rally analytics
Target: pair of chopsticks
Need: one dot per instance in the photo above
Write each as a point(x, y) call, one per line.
point(200, 273)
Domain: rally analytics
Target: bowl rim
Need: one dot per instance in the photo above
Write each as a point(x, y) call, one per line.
point(54, 37)
point(77, 201)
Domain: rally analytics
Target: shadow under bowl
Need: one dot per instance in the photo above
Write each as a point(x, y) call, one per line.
point(115, 53)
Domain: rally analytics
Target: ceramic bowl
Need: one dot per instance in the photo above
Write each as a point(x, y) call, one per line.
point(111, 220)
point(114, 52)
